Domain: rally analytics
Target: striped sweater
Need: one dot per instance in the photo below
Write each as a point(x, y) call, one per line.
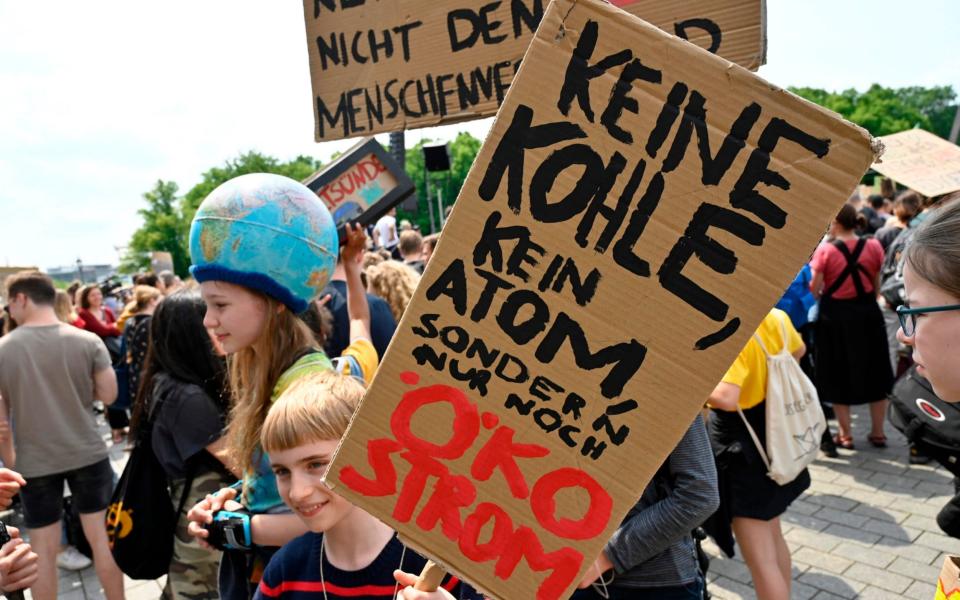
point(294, 574)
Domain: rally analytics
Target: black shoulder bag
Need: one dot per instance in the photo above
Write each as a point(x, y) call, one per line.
point(140, 520)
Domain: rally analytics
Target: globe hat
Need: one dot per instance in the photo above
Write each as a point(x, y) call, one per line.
point(266, 232)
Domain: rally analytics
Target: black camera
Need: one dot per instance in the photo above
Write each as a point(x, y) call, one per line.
point(230, 530)
point(111, 284)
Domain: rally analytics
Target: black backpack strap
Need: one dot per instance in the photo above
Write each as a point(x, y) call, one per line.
point(853, 269)
point(187, 486)
point(146, 430)
point(201, 462)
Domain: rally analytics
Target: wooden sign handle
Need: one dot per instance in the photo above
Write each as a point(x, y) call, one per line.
point(430, 577)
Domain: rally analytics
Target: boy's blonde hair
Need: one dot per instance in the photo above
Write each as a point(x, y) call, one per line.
point(317, 407)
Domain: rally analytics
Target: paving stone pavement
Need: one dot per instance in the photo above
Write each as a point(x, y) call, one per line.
point(866, 528)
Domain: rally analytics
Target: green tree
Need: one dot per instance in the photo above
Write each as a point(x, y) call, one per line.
point(882, 110)
point(163, 229)
point(299, 168)
point(463, 150)
point(166, 219)
point(938, 104)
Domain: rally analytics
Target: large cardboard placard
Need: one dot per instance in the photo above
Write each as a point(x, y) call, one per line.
point(402, 64)
point(921, 161)
point(637, 208)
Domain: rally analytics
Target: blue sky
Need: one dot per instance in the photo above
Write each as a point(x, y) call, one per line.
point(99, 100)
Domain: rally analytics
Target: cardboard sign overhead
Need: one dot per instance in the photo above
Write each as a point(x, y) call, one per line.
point(161, 261)
point(635, 211)
point(921, 161)
point(361, 185)
point(403, 64)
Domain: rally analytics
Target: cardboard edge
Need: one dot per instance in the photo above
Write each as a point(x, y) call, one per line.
point(878, 149)
point(763, 36)
point(419, 550)
point(328, 479)
point(733, 70)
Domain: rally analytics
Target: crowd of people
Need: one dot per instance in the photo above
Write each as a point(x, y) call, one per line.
point(246, 381)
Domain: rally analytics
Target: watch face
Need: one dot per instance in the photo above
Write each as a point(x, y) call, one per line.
point(230, 533)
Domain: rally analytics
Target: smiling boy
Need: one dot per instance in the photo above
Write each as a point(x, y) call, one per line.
point(347, 553)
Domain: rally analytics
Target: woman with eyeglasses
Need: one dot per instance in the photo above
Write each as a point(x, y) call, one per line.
point(930, 318)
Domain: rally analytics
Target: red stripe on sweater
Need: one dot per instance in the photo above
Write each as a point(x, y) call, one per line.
point(331, 588)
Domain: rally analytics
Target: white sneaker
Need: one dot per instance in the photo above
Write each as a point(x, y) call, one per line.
point(71, 560)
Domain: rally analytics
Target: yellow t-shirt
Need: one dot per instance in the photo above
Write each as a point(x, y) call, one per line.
point(359, 359)
point(749, 370)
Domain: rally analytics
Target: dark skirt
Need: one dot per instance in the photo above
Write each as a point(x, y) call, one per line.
point(852, 360)
point(747, 490)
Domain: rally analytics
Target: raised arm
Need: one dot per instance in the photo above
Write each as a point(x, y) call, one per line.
point(358, 310)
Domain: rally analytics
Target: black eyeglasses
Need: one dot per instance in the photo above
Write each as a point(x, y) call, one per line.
point(908, 316)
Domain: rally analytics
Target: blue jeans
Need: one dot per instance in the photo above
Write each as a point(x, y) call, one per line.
point(691, 591)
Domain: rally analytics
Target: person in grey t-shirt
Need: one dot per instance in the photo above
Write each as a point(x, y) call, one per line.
point(652, 554)
point(50, 375)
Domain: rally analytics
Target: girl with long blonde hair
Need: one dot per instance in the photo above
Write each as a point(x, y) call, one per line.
point(263, 247)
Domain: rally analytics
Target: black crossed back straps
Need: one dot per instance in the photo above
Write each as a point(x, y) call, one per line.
point(853, 270)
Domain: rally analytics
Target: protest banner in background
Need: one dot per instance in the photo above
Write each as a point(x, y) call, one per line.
point(161, 261)
point(402, 64)
point(635, 211)
point(361, 185)
point(921, 161)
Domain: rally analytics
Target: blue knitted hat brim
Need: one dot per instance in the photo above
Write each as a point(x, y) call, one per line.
point(256, 281)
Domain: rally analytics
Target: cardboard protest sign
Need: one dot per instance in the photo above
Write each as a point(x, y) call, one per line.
point(637, 208)
point(921, 161)
point(402, 64)
point(361, 185)
point(161, 261)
